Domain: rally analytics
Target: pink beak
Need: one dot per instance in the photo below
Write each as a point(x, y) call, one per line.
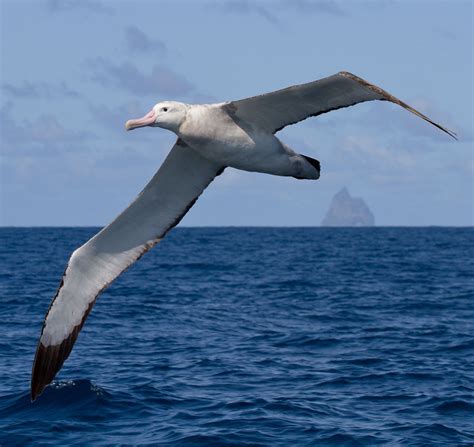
point(147, 120)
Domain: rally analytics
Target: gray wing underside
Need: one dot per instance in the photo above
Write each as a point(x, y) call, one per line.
point(273, 111)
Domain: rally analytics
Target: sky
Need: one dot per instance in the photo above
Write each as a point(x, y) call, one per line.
point(72, 72)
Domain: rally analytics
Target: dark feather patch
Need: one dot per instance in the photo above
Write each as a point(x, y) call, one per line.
point(315, 163)
point(50, 359)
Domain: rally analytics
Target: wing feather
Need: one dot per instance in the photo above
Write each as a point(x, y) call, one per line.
point(276, 110)
point(161, 205)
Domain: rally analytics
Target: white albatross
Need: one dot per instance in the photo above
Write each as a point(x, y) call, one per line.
point(211, 137)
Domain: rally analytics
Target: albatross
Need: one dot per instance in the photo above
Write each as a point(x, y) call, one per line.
point(211, 137)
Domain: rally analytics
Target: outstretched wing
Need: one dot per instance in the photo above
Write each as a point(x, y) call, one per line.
point(172, 191)
point(273, 111)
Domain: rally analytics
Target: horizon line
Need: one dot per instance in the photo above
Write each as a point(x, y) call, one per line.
point(254, 226)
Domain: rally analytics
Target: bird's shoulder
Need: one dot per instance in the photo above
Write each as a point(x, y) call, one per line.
point(207, 120)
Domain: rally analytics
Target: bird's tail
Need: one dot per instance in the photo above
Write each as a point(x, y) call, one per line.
point(313, 165)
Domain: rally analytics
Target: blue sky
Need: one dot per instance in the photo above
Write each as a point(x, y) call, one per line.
point(73, 72)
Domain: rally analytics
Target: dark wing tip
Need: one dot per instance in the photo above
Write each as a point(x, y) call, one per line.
point(43, 369)
point(48, 361)
point(388, 97)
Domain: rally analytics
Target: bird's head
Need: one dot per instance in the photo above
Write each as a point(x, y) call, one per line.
point(167, 114)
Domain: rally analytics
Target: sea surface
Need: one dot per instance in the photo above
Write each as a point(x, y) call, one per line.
point(250, 337)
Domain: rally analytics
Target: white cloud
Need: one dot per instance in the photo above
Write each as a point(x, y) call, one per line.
point(159, 81)
point(137, 41)
point(93, 6)
point(36, 90)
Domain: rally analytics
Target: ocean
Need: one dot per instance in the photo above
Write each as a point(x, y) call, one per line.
point(250, 337)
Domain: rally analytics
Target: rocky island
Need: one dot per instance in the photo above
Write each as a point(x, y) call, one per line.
point(348, 211)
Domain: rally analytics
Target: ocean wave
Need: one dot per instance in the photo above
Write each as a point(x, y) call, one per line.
point(199, 345)
point(69, 395)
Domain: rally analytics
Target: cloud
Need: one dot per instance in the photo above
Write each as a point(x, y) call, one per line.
point(138, 41)
point(247, 7)
point(40, 136)
point(126, 76)
point(39, 90)
point(93, 6)
point(314, 7)
point(383, 117)
point(369, 151)
point(112, 118)
point(445, 33)
point(270, 11)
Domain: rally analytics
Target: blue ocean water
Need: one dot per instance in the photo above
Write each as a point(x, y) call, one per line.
point(250, 337)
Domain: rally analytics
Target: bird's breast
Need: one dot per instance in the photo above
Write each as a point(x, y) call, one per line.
point(216, 136)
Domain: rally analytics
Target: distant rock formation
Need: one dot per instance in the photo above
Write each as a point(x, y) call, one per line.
point(347, 211)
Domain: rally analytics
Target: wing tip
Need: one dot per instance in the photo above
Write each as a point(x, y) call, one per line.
point(38, 382)
point(48, 361)
point(388, 97)
point(36, 391)
point(451, 133)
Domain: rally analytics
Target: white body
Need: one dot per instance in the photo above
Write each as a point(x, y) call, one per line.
point(232, 142)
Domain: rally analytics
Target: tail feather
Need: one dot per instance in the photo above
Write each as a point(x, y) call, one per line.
point(315, 163)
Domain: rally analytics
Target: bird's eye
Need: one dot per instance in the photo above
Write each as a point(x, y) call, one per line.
point(164, 109)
